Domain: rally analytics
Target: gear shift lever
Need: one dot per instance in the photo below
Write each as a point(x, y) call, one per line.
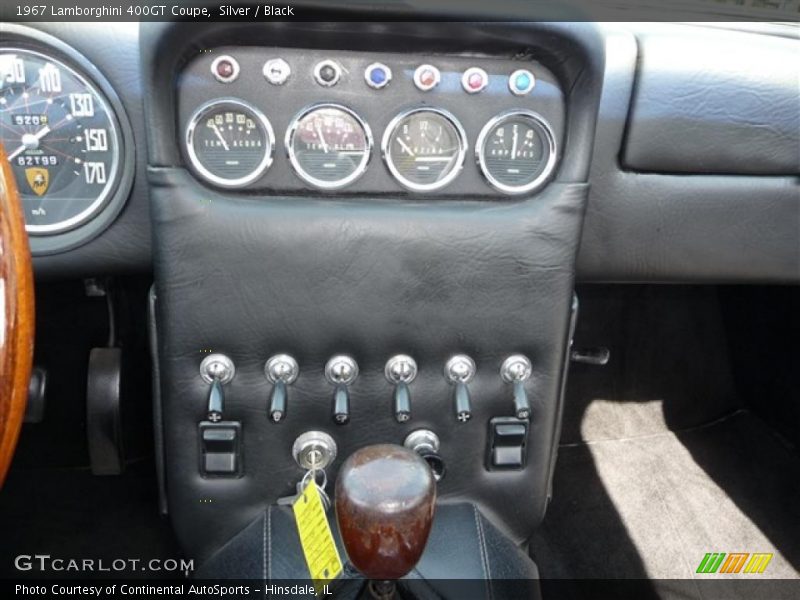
point(385, 497)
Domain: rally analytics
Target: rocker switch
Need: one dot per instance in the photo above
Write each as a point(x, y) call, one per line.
point(221, 448)
point(507, 441)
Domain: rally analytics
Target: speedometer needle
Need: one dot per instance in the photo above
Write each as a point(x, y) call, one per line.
point(30, 141)
point(219, 135)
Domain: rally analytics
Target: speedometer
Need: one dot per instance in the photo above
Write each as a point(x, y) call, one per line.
point(62, 139)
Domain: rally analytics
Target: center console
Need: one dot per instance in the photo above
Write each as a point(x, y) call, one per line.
point(364, 234)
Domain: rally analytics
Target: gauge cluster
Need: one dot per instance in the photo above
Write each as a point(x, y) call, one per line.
point(288, 120)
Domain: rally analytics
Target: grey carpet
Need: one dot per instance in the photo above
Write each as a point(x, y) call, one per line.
point(636, 500)
point(669, 362)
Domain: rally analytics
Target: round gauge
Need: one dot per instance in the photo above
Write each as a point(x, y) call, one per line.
point(424, 148)
point(229, 142)
point(516, 151)
point(329, 146)
point(62, 139)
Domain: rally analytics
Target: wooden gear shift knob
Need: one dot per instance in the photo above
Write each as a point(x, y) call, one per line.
point(385, 497)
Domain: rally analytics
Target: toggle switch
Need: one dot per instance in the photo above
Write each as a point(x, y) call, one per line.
point(401, 370)
point(281, 371)
point(341, 371)
point(459, 371)
point(217, 370)
point(516, 370)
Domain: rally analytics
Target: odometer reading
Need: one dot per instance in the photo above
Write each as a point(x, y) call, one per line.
point(424, 148)
point(62, 140)
point(516, 152)
point(329, 146)
point(229, 142)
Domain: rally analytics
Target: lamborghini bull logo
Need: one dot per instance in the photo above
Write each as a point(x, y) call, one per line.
point(38, 179)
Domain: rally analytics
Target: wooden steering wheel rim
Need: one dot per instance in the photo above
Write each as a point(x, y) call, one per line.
point(16, 315)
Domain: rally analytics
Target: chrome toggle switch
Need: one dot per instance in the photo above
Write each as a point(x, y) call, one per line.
point(341, 371)
point(517, 369)
point(459, 371)
point(281, 371)
point(401, 370)
point(216, 369)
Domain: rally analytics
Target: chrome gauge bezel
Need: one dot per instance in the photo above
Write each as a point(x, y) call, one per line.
point(388, 135)
point(202, 171)
point(115, 176)
point(543, 177)
point(310, 179)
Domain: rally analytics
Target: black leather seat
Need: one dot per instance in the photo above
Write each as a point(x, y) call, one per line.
point(466, 557)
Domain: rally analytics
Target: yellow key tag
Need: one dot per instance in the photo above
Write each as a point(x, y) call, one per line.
point(322, 557)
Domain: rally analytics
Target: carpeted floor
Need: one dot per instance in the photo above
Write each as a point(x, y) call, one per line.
point(652, 505)
point(71, 514)
point(664, 455)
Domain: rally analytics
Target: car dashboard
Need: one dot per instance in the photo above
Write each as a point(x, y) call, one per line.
point(386, 222)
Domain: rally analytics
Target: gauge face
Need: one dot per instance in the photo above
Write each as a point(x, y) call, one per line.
point(229, 142)
point(516, 152)
point(329, 146)
point(424, 148)
point(62, 139)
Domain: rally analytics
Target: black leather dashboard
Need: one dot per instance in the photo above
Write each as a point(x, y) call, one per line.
point(662, 227)
point(719, 102)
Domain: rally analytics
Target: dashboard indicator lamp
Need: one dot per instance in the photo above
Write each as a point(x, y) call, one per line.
point(474, 80)
point(426, 77)
point(377, 75)
point(225, 69)
point(521, 82)
point(327, 73)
